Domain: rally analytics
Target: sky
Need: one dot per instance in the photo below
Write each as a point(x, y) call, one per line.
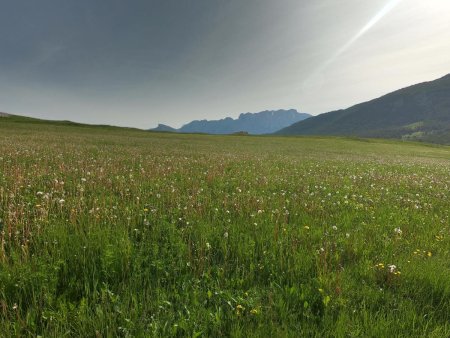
point(138, 63)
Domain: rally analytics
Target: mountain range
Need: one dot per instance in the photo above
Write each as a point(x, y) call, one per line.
point(265, 122)
point(420, 112)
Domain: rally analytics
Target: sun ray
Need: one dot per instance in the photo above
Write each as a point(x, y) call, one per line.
point(390, 5)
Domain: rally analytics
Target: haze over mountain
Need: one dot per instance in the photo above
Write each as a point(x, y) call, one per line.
point(419, 112)
point(264, 122)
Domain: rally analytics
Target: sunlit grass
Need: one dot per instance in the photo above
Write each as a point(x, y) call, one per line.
point(109, 232)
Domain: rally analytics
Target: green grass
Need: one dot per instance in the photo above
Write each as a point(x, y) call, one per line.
point(115, 232)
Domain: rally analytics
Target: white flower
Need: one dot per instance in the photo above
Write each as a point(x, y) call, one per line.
point(392, 268)
point(225, 235)
point(208, 246)
point(398, 231)
point(334, 227)
point(61, 201)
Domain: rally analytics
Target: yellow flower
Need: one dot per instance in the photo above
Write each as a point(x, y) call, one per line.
point(239, 309)
point(429, 254)
point(254, 311)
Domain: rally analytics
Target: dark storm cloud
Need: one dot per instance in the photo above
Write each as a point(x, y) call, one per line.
point(90, 41)
point(139, 62)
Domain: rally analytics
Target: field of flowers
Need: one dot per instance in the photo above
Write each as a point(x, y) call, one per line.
point(112, 232)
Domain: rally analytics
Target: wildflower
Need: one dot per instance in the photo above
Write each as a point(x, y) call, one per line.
point(239, 309)
point(392, 268)
point(306, 227)
point(225, 235)
point(61, 201)
point(334, 227)
point(208, 246)
point(398, 231)
point(254, 311)
point(429, 254)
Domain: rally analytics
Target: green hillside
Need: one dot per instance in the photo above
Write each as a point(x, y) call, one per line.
point(420, 112)
point(16, 121)
point(10, 118)
point(111, 232)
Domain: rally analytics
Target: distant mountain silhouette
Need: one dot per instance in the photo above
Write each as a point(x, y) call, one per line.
point(163, 127)
point(265, 122)
point(419, 112)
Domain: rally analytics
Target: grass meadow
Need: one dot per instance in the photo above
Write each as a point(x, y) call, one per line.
point(109, 232)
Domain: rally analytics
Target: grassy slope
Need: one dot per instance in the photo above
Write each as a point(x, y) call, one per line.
point(115, 232)
point(426, 104)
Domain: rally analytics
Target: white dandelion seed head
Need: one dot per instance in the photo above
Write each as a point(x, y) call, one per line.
point(392, 268)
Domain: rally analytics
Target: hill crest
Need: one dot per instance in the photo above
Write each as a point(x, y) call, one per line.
point(419, 112)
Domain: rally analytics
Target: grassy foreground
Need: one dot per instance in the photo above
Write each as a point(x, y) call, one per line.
point(108, 232)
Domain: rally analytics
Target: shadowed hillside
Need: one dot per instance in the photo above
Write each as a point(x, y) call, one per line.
point(420, 112)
